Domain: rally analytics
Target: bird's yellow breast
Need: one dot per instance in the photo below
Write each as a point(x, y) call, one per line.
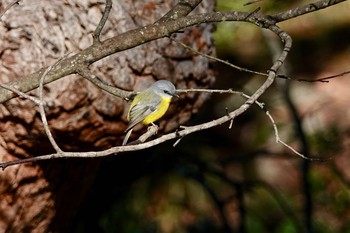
point(161, 110)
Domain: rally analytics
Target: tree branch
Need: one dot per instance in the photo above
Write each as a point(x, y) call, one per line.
point(181, 133)
point(183, 8)
point(148, 33)
point(298, 11)
point(86, 73)
point(8, 7)
point(42, 110)
point(101, 24)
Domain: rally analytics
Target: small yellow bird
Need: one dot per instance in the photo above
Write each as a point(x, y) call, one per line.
point(150, 105)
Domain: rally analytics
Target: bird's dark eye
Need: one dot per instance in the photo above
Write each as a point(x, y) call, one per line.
point(166, 92)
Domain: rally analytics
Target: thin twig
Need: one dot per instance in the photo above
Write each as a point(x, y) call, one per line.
point(325, 79)
point(251, 2)
point(177, 142)
point(181, 9)
point(8, 7)
point(278, 140)
point(42, 110)
point(87, 74)
point(231, 122)
point(217, 59)
point(40, 102)
point(302, 10)
point(152, 130)
point(21, 94)
point(262, 106)
point(101, 24)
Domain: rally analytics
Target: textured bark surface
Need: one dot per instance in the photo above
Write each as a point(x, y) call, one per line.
point(45, 196)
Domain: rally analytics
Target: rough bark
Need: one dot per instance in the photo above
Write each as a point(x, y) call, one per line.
point(45, 196)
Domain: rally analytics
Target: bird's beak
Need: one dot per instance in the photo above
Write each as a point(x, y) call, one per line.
point(176, 95)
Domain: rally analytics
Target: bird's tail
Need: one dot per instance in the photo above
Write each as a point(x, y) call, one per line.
point(127, 137)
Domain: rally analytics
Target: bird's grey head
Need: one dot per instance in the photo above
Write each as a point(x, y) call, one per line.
point(164, 88)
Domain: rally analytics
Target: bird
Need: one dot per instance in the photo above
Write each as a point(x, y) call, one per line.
point(149, 105)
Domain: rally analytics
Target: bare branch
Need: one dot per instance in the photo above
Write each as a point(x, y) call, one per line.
point(101, 24)
point(262, 106)
point(40, 103)
point(183, 8)
point(298, 11)
point(8, 7)
point(42, 110)
point(251, 2)
point(325, 79)
point(217, 59)
point(152, 130)
point(85, 73)
point(21, 94)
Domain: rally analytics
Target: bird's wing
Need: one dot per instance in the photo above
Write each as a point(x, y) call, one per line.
point(141, 110)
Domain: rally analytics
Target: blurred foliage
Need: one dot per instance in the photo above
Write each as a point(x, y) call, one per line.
point(239, 179)
point(326, 142)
